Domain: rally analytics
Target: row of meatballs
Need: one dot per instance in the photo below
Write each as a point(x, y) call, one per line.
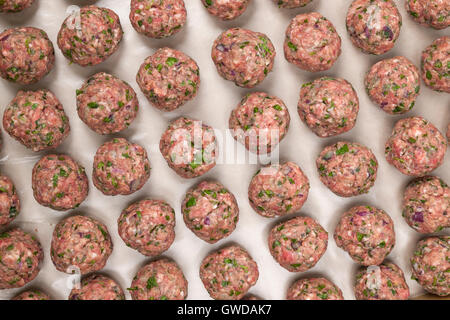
point(90, 35)
point(172, 14)
point(159, 20)
point(347, 168)
point(83, 244)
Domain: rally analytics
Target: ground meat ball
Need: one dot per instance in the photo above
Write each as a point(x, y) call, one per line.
point(226, 9)
point(384, 282)
point(431, 265)
point(97, 287)
point(291, 4)
point(243, 56)
point(59, 182)
point(90, 36)
point(26, 55)
point(426, 204)
point(32, 295)
point(189, 147)
point(347, 168)
point(314, 289)
point(435, 65)
point(14, 5)
point(448, 132)
point(278, 190)
point(260, 121)
point(148, 226)
point(298, 244)
point(228, 273)
point(312, 43)
point(107, 104)
point(80, 242)
point(169, 78)
point(158, 19)
point(36, 119)
point(210, 211)
point(374, 25)
point(9, 201)
point(159, 280)
point(120, 167)
point(21, 255)
point(393, 84)
point(366, 233)
point(430, 13)
point(416, 147)
point(328, 106)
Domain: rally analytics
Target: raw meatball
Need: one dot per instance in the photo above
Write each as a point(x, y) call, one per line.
point(374, 25)
point(26, 55)
point(312, 43)
point(159, 280)
point(366, 233)
point(314, 289)
point(347, 168)
point(426, 204)
point(415, 147)
point(32, 295)
point(36, 119)
point(210, 211)
point(384, 282)
point(430, 13)
point(298, 244)
point(21, 255)
point(189, 147)
point(169, 78)
point(107, 104)
point(97, 287)
point(9, 201)
point(59, 182)
point(260, 121)
point(431, 264)
point(291, 4)
point(435, 65)
point(226, 9)
point(243, 56)
point(278, 190)
point(393, 84)
point(148, 226)
point(158, 19)
point(120, 167)
point(80, 242)
point(14, 5)
point(448, 132)
point(328, 106)
point(228, 273)
point(89, 36)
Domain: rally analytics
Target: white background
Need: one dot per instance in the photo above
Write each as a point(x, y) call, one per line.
point(215, 100)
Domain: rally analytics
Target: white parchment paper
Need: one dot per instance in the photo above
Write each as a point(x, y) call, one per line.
point(215, 100)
